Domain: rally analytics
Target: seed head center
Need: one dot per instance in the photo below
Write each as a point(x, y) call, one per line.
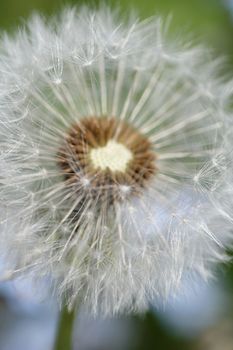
point(114, 156)
point(107, 159)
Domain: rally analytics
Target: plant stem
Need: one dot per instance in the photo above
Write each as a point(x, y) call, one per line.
point(65, 329)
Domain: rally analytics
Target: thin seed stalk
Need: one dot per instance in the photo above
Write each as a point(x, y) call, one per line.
point(65, 329)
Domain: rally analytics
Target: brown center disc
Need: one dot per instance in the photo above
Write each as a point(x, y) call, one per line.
point(132, 170)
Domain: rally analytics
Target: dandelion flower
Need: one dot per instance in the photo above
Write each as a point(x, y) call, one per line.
point(115, 158)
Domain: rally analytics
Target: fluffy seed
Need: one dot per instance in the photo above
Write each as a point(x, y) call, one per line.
point(116, 159)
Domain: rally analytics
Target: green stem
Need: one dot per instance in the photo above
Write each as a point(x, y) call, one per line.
point(65, 329)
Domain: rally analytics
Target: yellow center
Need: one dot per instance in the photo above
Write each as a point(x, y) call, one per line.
point(113, 155)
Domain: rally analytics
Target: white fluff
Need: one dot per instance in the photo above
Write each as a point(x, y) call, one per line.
point(93, 63)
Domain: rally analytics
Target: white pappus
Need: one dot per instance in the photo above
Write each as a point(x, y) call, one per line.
point(116, 174)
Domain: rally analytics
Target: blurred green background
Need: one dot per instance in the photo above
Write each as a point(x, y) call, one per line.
point(208, 21)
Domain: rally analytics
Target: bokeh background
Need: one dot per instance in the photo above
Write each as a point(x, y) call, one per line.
point(201, 317)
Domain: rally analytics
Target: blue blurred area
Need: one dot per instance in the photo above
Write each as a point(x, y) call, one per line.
point(198, 306)
point(27, 322)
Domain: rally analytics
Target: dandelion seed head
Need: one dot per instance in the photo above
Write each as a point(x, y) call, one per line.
point(115, 160)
